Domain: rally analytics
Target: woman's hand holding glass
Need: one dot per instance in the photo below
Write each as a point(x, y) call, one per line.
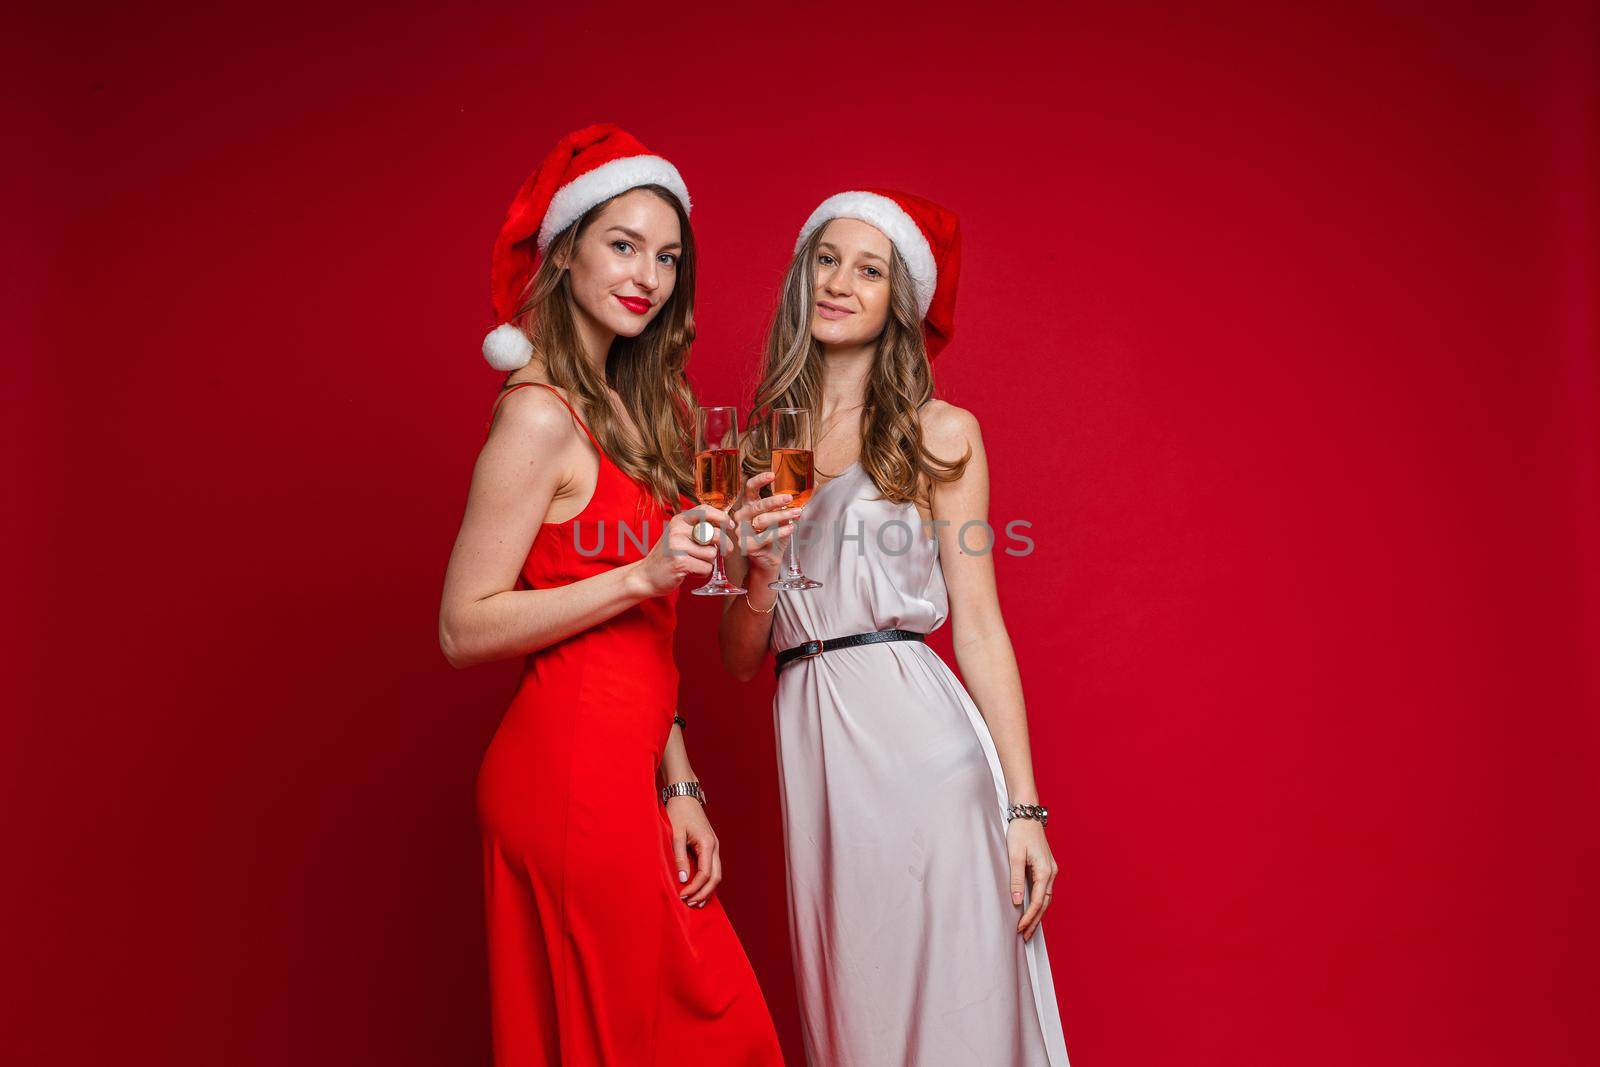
point(764, 526)
point(677, 555)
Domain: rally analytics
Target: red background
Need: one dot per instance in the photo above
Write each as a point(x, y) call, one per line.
point(1281, 328)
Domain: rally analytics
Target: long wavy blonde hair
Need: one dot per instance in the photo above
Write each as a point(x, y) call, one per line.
point(646, 371)
point(899, 383)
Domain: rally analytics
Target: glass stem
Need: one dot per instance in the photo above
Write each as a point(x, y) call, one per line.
point(794, 561)
point(717, 577)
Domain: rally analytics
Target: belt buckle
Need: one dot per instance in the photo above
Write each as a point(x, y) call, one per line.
point(820, 643)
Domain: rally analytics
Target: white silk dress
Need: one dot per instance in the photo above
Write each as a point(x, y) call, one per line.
point(900, 916)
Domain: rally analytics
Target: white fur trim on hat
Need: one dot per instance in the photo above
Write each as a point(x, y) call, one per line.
point(507, 348)
point(888, 216)
point(604, 182)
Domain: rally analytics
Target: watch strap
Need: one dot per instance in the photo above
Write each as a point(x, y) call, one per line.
point(683, 789)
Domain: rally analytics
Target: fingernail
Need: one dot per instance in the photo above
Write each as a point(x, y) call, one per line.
point(1016, 898)
point(683, 876)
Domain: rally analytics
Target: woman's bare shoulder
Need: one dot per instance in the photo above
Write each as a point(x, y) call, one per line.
point(948, 430)
point(536, 416)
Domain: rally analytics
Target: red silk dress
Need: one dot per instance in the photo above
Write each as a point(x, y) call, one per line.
point(593, 959)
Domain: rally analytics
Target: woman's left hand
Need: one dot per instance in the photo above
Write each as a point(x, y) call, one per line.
point(692, 830)
point(1031, 866)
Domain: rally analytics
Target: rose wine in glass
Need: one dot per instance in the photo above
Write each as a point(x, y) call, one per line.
point(791, 465)
point(716, 479)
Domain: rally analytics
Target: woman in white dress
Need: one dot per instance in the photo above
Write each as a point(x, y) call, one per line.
point(917, 861)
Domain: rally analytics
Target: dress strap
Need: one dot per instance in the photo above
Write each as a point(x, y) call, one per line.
point(496, 407)
point(558, 396)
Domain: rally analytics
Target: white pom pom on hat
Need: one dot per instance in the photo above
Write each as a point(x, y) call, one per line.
point(506, 347)
point(587, 167)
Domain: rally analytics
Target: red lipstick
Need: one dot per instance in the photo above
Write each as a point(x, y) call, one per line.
point(636, 304)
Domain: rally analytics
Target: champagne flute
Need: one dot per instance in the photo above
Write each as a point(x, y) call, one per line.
point(716, 475)
point(791, 463)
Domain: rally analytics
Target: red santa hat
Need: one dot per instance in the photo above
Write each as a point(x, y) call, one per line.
point(928, 239)
point(587, 167)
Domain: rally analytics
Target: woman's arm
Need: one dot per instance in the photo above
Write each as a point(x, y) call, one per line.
point(982, 646)
point(675, 759)
point(690, 827)
point(764, 527)
point(482, 616)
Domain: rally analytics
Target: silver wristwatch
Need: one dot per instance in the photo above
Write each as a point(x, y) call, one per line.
point(683, 789)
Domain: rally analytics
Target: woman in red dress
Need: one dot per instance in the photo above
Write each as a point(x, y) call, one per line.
point(607, 944)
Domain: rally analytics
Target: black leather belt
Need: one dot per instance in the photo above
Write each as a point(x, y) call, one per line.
point(817, 647)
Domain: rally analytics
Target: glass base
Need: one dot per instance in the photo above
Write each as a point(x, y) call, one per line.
point(718, 589)
point(795, 582)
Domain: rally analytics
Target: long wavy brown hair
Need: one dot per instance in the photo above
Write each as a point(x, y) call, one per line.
point(899, 383)
point(646, 371)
